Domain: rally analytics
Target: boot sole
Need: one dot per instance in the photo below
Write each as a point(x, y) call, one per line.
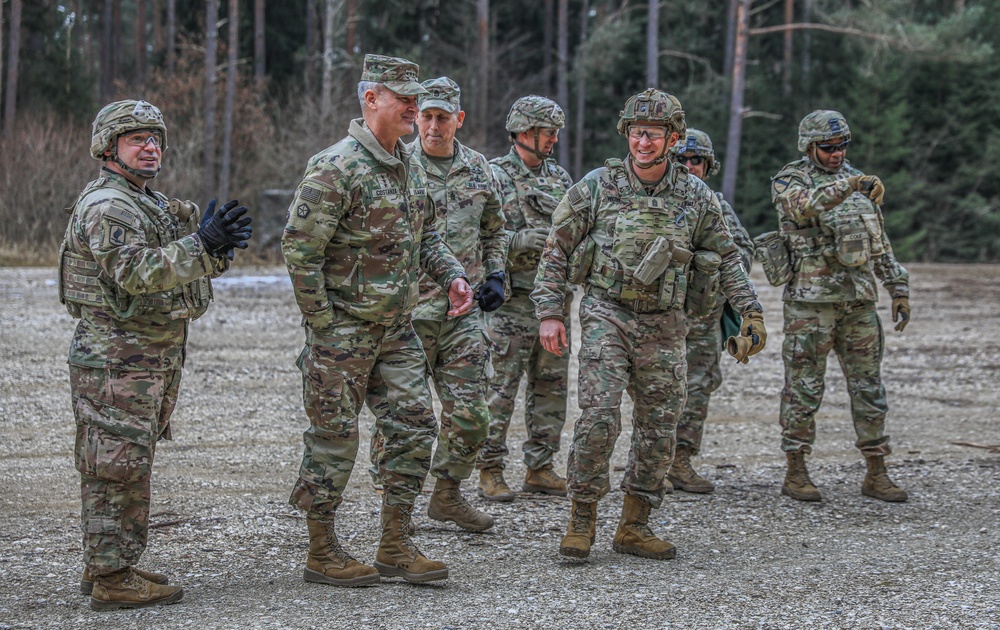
point(680, 485)
point(882, 497)
point(635, 551)
point(500, 498)
point(543, 490)
point(388, 570)
point(86, 588)
point(800, 497)
point(319, 578)
point(437, 516)
point(573, 552)
point(97, 604)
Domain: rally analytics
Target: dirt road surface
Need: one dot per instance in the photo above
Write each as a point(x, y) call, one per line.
point(747, 557)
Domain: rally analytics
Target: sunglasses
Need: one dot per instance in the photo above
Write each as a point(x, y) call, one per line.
point(654, 133)
point(693, 160)
point(141, 139)
point(833, 148)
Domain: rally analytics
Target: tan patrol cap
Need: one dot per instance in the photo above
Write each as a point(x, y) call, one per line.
point(399, 75)
point(442, 93)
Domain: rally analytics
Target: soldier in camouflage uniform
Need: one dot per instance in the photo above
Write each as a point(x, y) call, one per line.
point(355, 244)
point(628, 231)
point(831, 220)
point(470, 220)
point(704, 339)
point(532, 184)
point(134, 268)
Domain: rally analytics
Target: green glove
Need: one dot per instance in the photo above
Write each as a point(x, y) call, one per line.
point(532, 239)
point(868, 185)
point(901, 312)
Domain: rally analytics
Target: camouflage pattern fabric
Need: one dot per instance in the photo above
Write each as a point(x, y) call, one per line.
point(134, 275)
point(529, 199)
point(354, 245)
point(632, 334)
point(830, 306)
point(704, 346)
point(471, 221)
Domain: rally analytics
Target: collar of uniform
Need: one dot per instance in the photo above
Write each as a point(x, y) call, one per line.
point(543, 167)
point(359, 131)
point(667, 182)
point(461, 158)
point(120, 181)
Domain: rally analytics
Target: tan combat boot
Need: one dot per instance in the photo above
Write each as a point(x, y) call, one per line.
point(127, 589)
point(87, 581)
point(544, 481)
point(398, 556)
point(877, 483)
point(581, 530)
point(683, 477)
point(634, 535)
point(448, 504)
point(328, 563)
point(492, 485)
point(797, 484)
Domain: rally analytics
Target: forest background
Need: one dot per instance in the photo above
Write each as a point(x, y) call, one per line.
point(248, 99)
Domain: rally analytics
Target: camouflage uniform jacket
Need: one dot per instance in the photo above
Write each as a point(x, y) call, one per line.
point(528, 202)
point(469, 218)
point(611, 207)
point(134, 274)
point(809, 201)
point(740, 235)
point(355, 238)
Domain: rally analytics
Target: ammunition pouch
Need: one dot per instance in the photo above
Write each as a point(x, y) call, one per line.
point(703, 285)
point(773, 255)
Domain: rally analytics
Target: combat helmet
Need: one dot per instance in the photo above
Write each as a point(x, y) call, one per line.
point(121, 117)
point(697, 142)
point(652, 107)
point(530, 112)
point(820, 126)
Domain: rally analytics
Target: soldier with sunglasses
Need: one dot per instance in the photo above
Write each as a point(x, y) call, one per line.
point(831, 221)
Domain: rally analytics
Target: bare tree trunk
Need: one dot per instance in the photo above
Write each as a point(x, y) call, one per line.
point(309, 68)
point(806, 41)
point(547, 46)
point(786, 63)
point(653, 44)
point(140, 43)
point(2, 126)
point(117, 47)
point(482, 71)
point(727, 64)
point(107, 51)
point(227, 115)
point(208, 147)
point(13, 61)
point(159, 37)
point(259, 62)
point(732, 162)
point(562, 72)
point(171, 37)
point(352, 27)
point(581, 94)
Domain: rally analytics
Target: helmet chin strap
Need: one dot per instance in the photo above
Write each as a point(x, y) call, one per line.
point(142, 174)
point(659, 160)
point(534, 150)
point(816, 162)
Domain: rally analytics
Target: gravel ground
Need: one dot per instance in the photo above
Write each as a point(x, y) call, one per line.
point(747, 557)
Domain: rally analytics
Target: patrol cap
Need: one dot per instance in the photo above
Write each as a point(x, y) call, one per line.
point(397, 74)
point(442, 93)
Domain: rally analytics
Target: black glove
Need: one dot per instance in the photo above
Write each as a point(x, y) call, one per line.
point(226, 230)
point(490, 293)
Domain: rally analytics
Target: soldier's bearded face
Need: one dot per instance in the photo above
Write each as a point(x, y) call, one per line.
point(831, 160)
point(396, 112)
point(437, 130)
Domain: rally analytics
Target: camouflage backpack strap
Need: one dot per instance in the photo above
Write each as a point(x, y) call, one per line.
point(620, 177)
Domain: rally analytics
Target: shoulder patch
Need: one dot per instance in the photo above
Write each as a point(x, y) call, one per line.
point(310, 194)
point(302, 211)
point(779, 185)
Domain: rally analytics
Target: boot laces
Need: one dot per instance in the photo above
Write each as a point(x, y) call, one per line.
point(581, 520)
point(333, 545)
point(641, 523)
point(404, 526)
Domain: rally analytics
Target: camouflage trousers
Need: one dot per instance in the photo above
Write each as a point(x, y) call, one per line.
point(644, 355)
point(853, 331)
point(344, 366)
point(458, 361)
point(119, 417)
point(704, 376)
point(518, 351)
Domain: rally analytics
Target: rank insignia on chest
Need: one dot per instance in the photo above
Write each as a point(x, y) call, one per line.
point(302, 211)
point(542, 181)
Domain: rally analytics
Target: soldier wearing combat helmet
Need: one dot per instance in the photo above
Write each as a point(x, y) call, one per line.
point(831, 222)
point(134, 268)
point(531, 185)
point(705, 332)
point(628, 231)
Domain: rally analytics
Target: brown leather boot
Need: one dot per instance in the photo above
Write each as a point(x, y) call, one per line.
point(127, 589)
point(397, 555)
point(492, 485)
point(581, 530)
point(544, 481)
point(877, 483)
point(328, 563)
point(634, 535)
point(683, 476)
point(87, 581)
point(448, 504)
point(797, 483)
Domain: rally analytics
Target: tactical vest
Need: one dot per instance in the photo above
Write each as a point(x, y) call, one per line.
point(537, 198)
point(639, 221)
point(82, 282)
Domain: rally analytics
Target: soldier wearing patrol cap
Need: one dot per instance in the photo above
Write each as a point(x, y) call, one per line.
point(628, 232)
point(360, 232)
point(831, 222)
point(531, 185)
point(134, 268)
point(470, 220)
